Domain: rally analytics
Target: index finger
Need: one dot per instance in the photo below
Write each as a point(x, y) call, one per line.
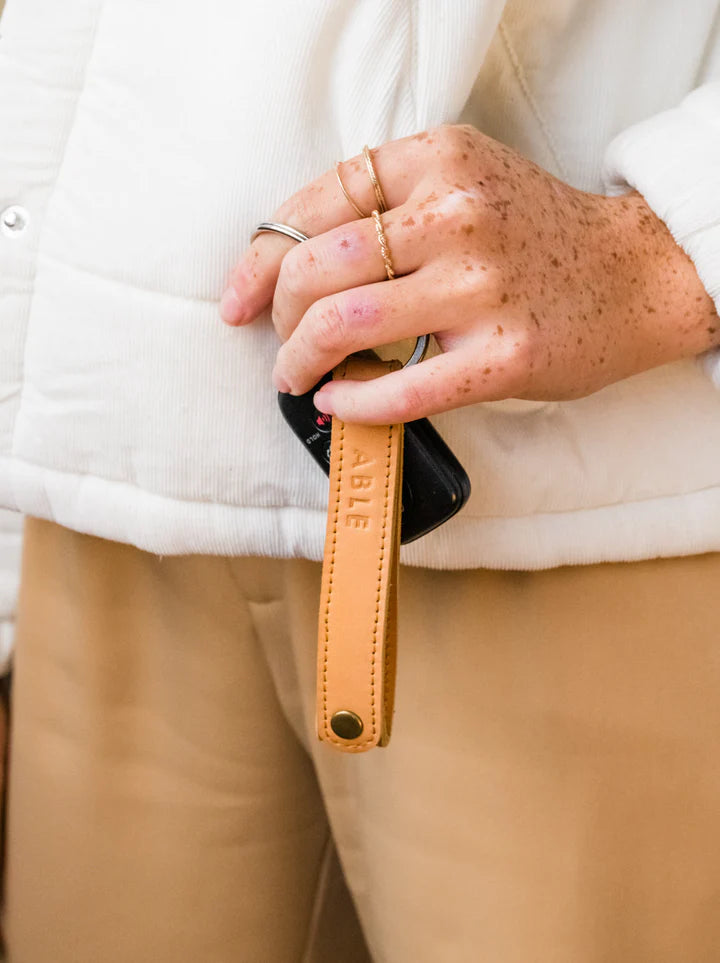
point(318, 207)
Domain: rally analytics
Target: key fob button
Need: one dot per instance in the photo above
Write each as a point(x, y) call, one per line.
point(323, 422)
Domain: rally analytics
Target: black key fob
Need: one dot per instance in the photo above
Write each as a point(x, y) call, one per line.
point(435, 485)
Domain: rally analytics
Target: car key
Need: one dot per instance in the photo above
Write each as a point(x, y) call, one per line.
point(435, 485)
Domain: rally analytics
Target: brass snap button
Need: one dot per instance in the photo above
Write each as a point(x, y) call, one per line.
point(346, 724)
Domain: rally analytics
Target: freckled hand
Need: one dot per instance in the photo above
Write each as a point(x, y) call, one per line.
point(532, 289)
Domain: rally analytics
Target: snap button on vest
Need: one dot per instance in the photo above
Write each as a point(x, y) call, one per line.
point(14, 220)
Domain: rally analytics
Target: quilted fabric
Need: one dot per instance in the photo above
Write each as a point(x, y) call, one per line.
point(141, 142)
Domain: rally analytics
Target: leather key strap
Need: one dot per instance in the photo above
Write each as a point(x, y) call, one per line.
point(358, 604)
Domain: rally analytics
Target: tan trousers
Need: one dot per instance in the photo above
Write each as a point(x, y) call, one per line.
point(551, 793)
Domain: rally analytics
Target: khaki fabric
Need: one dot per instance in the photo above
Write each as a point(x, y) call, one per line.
point(551, 792)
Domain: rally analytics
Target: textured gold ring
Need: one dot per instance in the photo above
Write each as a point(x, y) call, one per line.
point(384, 247)
point(379, 196)
point(348, 198)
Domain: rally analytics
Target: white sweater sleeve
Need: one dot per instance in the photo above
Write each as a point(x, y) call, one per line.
point(673, 160)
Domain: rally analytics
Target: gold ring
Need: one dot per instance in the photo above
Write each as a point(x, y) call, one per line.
point(380, 197)
point(384, 248)
point(345, 191)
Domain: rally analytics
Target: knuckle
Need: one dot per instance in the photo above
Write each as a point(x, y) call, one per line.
point(301, 211)
point(453, 138)
point(413, 400)
point(481, 284)
point(448, 134)
point(329, 327)
point(295, 272)
point(526, 348)
point(492, 281)
point(471, 282)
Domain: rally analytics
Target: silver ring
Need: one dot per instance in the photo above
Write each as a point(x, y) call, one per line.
point(272, 227)
point(419, 351)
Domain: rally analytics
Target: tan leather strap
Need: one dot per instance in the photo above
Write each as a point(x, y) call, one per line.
point(358, 603)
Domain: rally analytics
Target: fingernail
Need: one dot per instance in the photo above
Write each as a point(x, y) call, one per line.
point(323, 403)
point(232, 310)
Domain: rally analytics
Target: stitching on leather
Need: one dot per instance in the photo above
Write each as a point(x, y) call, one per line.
point(328, 731)
point(330, 580)
point(383, 548)
point(381, 566)
point(358, 746)
point(390, 640)
point(390, 563)
point(393, 577)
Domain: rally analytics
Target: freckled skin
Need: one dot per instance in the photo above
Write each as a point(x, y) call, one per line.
point(430, 199)
point(532, 288)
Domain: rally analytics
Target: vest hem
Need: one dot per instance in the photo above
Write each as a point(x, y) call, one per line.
point(666, 526)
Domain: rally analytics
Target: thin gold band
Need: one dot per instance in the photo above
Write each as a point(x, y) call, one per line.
point(384, 247)
point(380, 197)
point(345, 191)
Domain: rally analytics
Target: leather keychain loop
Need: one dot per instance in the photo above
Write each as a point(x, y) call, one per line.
point(357, 638)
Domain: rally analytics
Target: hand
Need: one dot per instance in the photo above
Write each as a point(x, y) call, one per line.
point(532, 289)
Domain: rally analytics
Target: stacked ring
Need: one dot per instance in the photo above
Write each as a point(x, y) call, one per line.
point(379, 195)
point(384, 247)
point(381, 208)
point(381, 203)
point(348, 198)
point(272, 227)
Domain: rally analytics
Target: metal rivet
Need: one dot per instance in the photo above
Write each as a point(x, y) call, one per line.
point(14, 220)
point(346, 724)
